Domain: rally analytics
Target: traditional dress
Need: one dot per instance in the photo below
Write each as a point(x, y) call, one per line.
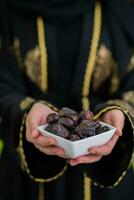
point(77, 54)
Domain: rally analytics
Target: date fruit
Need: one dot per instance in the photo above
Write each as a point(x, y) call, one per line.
point(74, 126)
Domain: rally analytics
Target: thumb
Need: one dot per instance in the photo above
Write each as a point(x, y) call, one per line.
point(35, 134)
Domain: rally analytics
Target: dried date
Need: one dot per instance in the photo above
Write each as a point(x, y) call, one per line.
point(60, 130)
point(66, 112)
point(66, 121)
point(73, 126)
point(52, 117)
point(87, 132)
point(74, 137)
point(102, 129)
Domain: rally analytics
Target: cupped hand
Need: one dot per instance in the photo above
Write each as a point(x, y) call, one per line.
point(115, 118)
point(37, 116)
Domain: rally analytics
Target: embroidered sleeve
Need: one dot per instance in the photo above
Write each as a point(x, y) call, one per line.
point(111, 169)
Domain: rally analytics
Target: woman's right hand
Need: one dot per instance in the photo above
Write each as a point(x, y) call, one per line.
point(37, 116)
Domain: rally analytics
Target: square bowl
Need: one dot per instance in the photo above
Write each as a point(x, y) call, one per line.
point(80, 147)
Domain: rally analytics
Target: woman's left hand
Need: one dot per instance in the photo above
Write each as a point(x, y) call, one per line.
point(115, 118)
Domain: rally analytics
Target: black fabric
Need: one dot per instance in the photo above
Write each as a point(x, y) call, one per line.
point(68, 46)
point(54, 8)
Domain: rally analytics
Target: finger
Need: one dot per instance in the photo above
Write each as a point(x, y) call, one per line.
point(115, 118)
point(85, 159)
point(44, 141)
point(31, 129)
point(106, 148)
point(118, 131)
point(52, 150)
point(35, 134)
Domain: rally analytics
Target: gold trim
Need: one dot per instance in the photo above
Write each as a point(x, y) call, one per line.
point(43, 52)
point(41, 191)
point(92, 55)
point(124, 105)
point(1, 146)
point(115, 184)
point(32, 65)
point(49, 105)
point(87, 188)
point(17, 52)
point(24, 162)
point(124, 110)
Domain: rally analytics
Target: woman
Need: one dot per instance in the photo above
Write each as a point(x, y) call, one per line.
point(65, 53)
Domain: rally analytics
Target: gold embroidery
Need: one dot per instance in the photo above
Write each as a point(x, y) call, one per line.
point(105, 67)
point(129, 97)
point(104, 63)
point(131, 64)
point(25, 103)
point(18, 150)
point(32, 65)
point(115, 80)
point(17, 52)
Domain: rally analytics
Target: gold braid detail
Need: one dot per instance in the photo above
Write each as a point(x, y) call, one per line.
point(87, 78)
point(92, 56)
point(43, 53)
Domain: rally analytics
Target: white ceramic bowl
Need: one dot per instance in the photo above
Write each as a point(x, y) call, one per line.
point(80, 147)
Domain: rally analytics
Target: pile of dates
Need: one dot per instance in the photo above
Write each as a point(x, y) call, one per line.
point(74, 126)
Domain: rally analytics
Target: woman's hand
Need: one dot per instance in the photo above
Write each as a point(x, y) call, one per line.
point(36, 117)
point(115, 118)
